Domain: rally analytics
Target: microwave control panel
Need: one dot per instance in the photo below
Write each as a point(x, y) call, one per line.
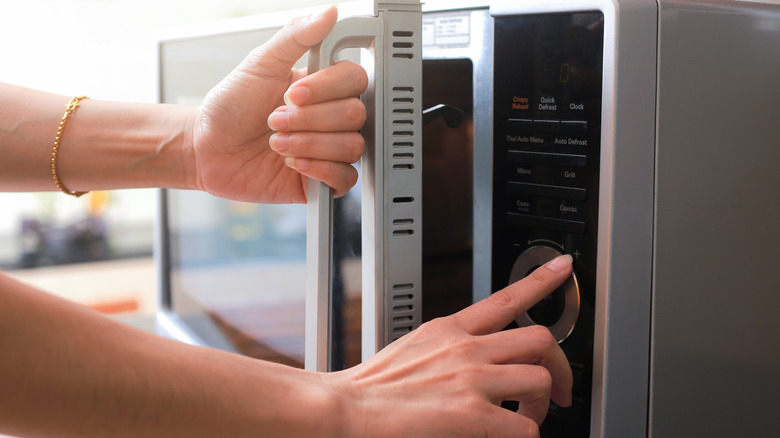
point(546, 146)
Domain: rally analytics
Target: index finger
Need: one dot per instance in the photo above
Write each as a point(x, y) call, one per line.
point(499, 309)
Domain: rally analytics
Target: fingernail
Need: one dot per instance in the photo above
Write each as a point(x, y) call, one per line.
point(279, 142)
point(297, 163)
point(279, 120)
point(560, 263)
point(297, 95)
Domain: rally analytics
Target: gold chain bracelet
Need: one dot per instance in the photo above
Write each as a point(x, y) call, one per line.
point(72, 105)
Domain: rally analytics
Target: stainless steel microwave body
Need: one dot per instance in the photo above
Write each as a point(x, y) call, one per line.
point(640, 136)
point(672, 211)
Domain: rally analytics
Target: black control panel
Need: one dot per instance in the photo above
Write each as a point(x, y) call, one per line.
point(547, 136)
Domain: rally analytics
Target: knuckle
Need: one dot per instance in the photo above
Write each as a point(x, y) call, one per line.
point(330, 172)
point(530, 428)
point(355, 145)
point(352, 178)
point(442, 330)
point(542, 335)
point(360, 78)
point(297, 119)
point(431, 327)
point(538, 275)
point(355, 113)
point(541, 378)
point(502, 300)
point(355, 75)
point(340, 177)
point(434, 329)
point(299, 145)
point(292, 32)
point(473, 402)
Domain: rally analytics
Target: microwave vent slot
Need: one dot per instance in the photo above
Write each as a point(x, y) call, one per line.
point(403, 44)
point(402, 317)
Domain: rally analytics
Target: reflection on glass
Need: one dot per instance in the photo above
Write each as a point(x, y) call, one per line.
point(237, 270)
point(48, 228)
point(346, 312)
point(448, 157)
point(238, 274)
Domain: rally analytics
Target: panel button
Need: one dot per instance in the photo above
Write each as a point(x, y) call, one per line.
point(546, 126)
point(529, 189)
point(573, 127)
point(547, 158)
point(547, 223)
point(547, 207)
point(519, 126)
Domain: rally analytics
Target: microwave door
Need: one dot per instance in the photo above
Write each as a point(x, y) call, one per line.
point(391, 244)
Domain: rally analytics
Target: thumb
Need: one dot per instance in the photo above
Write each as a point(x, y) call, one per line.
point(276, 57)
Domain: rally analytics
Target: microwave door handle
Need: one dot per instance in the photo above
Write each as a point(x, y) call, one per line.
point(393, 73)
point(352, 32)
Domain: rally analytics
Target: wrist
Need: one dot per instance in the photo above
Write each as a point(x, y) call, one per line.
point(346, 411)
point(322, 408)
point(112, 145)
point(168, 159)
point(178, 150)
point(292, 402)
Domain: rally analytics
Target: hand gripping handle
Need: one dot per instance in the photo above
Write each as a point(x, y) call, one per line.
point(353, 32)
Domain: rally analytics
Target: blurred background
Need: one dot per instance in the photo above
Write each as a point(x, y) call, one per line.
point(96, 250)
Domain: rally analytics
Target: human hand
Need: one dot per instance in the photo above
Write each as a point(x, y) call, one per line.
point(317, 127)
point(449, 377)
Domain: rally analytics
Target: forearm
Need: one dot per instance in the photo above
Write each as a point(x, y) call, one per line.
point(105, 145)
point(66, 371)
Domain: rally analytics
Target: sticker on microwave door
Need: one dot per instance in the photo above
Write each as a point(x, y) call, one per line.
point(447, 31)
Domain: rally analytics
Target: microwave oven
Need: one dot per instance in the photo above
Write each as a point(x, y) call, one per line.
point(640, 136)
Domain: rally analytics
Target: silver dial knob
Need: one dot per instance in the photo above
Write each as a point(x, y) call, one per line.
point(559, 310)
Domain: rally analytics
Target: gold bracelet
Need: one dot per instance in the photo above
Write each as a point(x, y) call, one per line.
point(72, 105)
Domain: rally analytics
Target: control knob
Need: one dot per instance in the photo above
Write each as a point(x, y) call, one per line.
point(559, 310)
